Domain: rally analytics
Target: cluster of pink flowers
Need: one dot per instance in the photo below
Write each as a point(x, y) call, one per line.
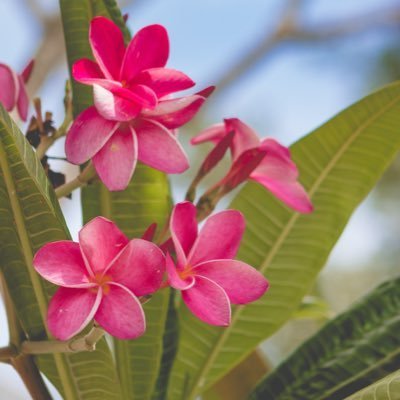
point(105, 277)
point(134, 115)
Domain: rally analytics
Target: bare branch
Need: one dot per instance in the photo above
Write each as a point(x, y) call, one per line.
point(289, 30)
point(50, 54)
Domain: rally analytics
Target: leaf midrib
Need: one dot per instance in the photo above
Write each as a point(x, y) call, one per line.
point(353, 344)
point(281, 239)
point(383, 383)
point(364, 372)
point(28, 257)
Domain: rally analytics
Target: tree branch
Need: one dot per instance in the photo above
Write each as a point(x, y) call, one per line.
point(290, 30)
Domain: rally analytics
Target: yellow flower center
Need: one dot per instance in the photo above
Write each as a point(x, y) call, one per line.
point(187, 272)
point(101, 281)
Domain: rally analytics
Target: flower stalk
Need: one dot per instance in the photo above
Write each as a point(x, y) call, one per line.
point(47, 141)
point(87, 175)
point(22, 363)
point(85, 343)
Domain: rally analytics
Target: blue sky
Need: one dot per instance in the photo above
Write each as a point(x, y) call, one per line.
point(286, 96)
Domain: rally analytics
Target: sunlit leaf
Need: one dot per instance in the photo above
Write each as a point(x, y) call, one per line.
point(339, 163)
point(145, 201)
point(30, 217)
point(387, 388)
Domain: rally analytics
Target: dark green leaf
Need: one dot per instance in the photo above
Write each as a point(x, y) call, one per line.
point(170, 346)
point(387, 388)
point(30, 217)
point(352, 351)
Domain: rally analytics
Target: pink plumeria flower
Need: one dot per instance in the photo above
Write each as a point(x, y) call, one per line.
point(13, 92)
point(101, 278)
point(276, 172)
point(134, 117)
point(205, 272)
point(128, 79)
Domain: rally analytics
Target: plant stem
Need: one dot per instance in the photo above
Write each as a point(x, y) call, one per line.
point(23, 364)
point(85, 343)
point(7, 352)
point(47, 141)
point(30, 375)
point(86, 176)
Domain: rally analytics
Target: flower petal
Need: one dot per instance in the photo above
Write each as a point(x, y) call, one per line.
point(164, 81)
point(140, 94)
point(61, 263)
point(87, 135)
point(22, 101)
point(26, 73)
point(219, 238)
point(159, 148)
point(112, 106)
point(278, 173)
point(9, 87)
point(291, 193)
point(241, 282)
point(100, 241)
point(87, 72)
point(70, 310)
point(140, 267)
point(174, 279)
point(215, 133)
point(176, 112)
point(149, 48)
point(183, 227)
point(208, 302)
point(120, 313)
point(150, 232)
point(272, 146)
point(107, 45)
point(241, 169)
point(116, 161)
point(206, 92)
point(245, 138)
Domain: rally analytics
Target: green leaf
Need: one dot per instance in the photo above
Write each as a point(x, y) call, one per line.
point(170, 347)
point(115, 14)
point(30, 217)
point(313, 307)
point(353, 350)
point(339, 163)
point(146, 200)
point(387, 388)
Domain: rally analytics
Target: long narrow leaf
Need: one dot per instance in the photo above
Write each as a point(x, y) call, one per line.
point(353, 350)
point(145, 201)
point(339, 163)
point(170, 347)
point(387, 388)
point(30, 217)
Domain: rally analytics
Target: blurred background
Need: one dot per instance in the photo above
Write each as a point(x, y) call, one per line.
point(284, 67)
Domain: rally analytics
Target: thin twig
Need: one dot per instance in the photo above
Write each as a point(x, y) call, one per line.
point(290, 29)
point(23, 364)
point(85, 343)
point(7, 352)
point(85, 177)
point(47, 141)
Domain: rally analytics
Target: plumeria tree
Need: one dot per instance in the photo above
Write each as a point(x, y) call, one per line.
point(161, 299)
